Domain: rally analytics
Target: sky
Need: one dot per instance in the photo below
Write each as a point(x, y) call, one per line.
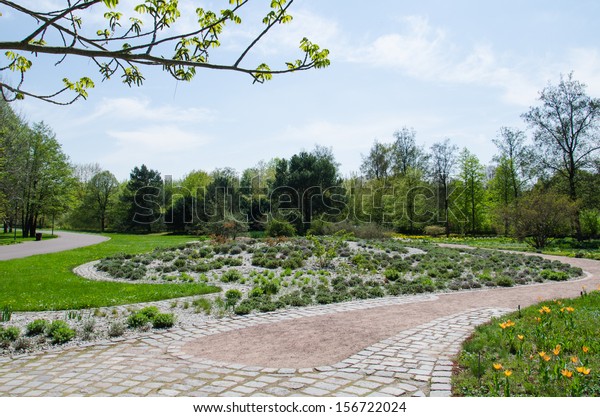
point(458, 70)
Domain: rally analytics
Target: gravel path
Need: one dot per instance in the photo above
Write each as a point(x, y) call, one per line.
point(65, 241)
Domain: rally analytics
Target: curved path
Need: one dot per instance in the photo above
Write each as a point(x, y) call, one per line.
point(65, 241)
point(393, 346)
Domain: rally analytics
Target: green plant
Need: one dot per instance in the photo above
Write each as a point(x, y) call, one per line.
point(87, 329)
point(163, 320)
point(59, 332)
point(137, 320)
point(233, 275)
point(202, 305)
point(5, 314)
point(9, 334)
point(116, 329)
point(277, 228)
point(37, 327)
point(22, 343)
point(232, 297)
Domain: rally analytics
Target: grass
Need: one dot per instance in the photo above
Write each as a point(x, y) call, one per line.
point(9, 238)
point(46, 282)
point(562, 247)
point(550, 349)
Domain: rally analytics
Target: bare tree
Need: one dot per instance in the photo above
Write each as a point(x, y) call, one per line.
point(566, 130)
point(407, 155)
point(378, 163)
point(443, 160)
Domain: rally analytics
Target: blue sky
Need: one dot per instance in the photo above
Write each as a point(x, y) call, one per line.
point(459, 69)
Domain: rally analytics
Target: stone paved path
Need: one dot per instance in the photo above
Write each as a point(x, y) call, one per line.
point(415, 361)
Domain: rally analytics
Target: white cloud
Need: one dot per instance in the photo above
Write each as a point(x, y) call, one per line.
point(427, 53)
point(141, 110)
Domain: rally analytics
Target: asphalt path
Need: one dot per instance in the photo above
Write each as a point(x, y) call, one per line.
point(64, 241)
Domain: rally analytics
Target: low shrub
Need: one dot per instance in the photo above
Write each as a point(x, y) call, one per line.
point(37, 327)
point(504, 282)
point(137, 320)
point(232, 297)
point(163, 320)
point(392, 274)
point(59, 332)
point(554, 275)
point(232, 275)
point(277, 228)
point(8, 335)
point(243, 309)
point(22, 343)
point(116, 329)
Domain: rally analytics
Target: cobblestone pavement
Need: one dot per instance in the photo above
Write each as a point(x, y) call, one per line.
point(415, 362)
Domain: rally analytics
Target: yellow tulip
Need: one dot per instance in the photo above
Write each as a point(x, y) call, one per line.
point(497, 366)
point(520, 337)
point(566, 373)
point(574, 359)
point(547, 358)
point(507, 373)
point(583, 370)
point(542, 354)
point(556, 350)
point(585, 349)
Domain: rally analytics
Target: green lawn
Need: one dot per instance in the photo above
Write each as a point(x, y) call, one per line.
point(46, 282)
point(562, 247)
point(9, 238)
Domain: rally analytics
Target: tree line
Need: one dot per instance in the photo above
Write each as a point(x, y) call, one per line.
point(534, 188)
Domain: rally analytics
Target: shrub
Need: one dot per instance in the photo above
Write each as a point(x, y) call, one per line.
point(22, 343)
point(392, 274)
point(323, 297)
point(87, 330)
point(150, 311)
point(434, 230)
point(232, 275)
point(270, 288)
point(37, 327)
point(276, 228)
point(9, 334)
point(232, 297)
point(243, 309)
point(60, 332)
point(116, 329)
point(256, 292)
point(554, 275)
point(163, 320)
point(505, 282)
point(137, 320)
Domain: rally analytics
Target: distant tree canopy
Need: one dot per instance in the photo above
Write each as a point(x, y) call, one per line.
point(401, 186)
point(127, 41)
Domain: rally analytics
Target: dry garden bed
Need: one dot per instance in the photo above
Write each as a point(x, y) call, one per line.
point(272, 274)
point(266, 275)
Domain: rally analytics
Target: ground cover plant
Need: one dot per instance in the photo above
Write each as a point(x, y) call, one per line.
point(28, 334)
point(550, 349)
point(270, 274)
point(47, 282)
